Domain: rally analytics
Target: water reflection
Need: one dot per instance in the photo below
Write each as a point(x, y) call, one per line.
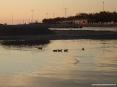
point(88, 28)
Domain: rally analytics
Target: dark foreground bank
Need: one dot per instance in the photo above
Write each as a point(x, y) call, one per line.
point(24, 29)
point(63, 34)
point(41, 31)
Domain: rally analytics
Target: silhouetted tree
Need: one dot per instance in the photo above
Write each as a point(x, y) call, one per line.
point(102, 17)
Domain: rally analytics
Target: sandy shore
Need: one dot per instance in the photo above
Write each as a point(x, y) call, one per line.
point(69, 34)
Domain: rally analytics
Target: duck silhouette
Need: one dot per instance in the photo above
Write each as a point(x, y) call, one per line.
point(83, 49)
point(40, 48)
point(66, 50)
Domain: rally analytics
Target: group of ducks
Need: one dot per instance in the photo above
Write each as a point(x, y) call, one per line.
point(61, 50)
point(65, 50)
point(40, 48)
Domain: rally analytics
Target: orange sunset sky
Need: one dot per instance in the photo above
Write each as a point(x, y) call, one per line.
point(19, 11)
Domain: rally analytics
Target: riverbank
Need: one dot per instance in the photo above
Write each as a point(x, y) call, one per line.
point(65, 35)
point(100, 25)
point(24, 29)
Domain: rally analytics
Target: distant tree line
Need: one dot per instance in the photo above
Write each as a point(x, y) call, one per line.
point(101, 17)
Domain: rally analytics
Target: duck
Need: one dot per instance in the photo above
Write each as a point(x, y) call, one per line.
point(54, 50)
point(40, 48)
point(66, 50)
point(83, 49)
point(59, 50)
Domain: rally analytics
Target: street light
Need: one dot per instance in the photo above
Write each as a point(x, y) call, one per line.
point(32, 15)
point(103, 3)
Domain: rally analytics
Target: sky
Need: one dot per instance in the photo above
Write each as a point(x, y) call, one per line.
point(20, 11)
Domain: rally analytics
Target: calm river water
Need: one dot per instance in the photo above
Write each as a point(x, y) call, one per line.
point(87, 62)
point(89, 28)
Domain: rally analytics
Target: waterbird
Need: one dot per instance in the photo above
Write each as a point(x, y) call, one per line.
point(66, 50)
point(54, 50)
point(40, 48)
point(59, 50)
point(83, 49)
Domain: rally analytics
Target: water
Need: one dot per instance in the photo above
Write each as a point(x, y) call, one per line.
point(29, 66)
point(89, 28)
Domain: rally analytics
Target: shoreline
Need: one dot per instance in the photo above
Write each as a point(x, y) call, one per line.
point(100, 25)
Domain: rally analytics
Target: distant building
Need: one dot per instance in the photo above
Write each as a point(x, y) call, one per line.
point(76, 21)
point(81, 21)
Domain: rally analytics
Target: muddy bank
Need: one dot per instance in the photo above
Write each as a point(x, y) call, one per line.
point(69, 34)
point(86, 34)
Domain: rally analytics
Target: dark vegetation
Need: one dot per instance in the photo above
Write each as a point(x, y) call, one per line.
point(102, 17)
point(22, 43)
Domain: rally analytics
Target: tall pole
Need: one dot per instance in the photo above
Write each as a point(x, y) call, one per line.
point(32, 14)
point(46, 15)
point(103, 6)
point(38, 16)
point(53, 15)
point(12, 19)
point(65, 12)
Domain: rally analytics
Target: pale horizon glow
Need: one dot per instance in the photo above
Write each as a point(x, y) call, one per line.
point(20, 11)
